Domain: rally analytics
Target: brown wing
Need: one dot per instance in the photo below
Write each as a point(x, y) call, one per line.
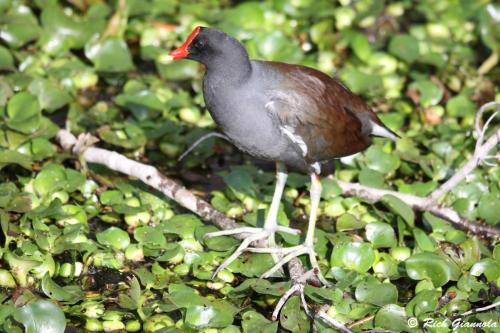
point(331, 120)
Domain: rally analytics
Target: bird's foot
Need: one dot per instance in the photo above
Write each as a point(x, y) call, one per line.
point(297, 287)
point(288, 254)
point(254, 234)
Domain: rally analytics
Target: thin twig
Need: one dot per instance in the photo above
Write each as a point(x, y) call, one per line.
point(361, 321)
point(485, 308)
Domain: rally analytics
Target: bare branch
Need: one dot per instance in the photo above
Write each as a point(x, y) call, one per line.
point(419, 204)
point(152, 177)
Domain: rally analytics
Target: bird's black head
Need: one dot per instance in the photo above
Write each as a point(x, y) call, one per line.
point(207, 45)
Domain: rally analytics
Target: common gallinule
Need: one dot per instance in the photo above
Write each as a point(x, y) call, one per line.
point(291, 114)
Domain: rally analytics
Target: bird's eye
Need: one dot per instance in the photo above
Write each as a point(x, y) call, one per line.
point(199, 44)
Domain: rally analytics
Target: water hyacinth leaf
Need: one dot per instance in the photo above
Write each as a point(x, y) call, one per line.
point(330, 188)
point(424, 242)
point(68, 294)
point(381, 161)
point(13, 157)
point(114, 237)
point(383, 63)
point(7, 192)
point(109, 55)
point(38, 148)
point(487, 266)
point(372, 178)
point(429, 93)
point(199, 316)
point(252, 266)
point(292, 317)
point(400, 208)
point(6, 59)
point(380, 234)
point(460, 106)
point(151, 237)
point(50, 179)
point(240, 182)
point(179, 71)
point(429, 266)
point(392, 317)
point(376, 293)
point(183, 225)
point(361, 46)
point(23, 113)
point(50, 96)
point(348, 222)
point(254, 322)
point(360, 82)
point(488, 208)
point(144, 104)
point(405, 47)
point(128, 135)
point(355, 256)
point(41, 317)
point(62, 32)
point(183, 296)
point(19, 26)
point(248, 16)
point(265, 287)
point(425, 301)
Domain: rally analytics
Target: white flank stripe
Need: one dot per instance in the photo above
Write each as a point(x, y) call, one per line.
point(288, 131)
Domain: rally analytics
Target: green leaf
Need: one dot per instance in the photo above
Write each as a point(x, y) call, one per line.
point(356, 256)
point(424, 242)
point(13, 157)
point(68, 294)
point(348, 222)
point(183, 225)
point(460, 106)
point(488, 208)
point(361, 46)
point(50, 95)
point(114, 237)
point(23, 111)
point(430, 93)
point(6, 59)
point(151, 237)
point(429, 266)
point(405, 47)
point(254, 322)
point(41, 317)
point(392, 317)
point(376, 293)
point(19, 26)
point(400, 208)
point(489, 267)
point(371, 178)
point(109, 55)
point(292, 317)
point(425, 301)
point(380, 234)
point(379, 160)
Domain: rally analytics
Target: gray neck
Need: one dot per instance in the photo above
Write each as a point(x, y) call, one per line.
point(231, 64)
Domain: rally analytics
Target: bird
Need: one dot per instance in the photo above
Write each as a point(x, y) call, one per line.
point(291, 114)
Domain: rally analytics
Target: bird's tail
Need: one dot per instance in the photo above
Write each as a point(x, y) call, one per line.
point(383, 131)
